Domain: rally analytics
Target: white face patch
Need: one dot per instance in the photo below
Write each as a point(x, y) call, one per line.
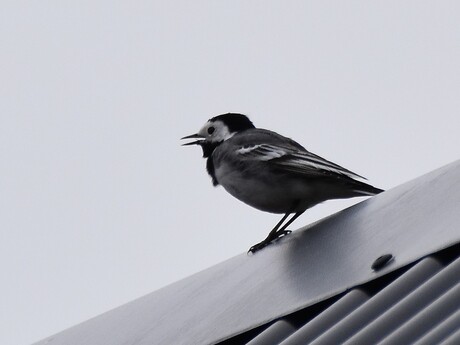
point(215, 131)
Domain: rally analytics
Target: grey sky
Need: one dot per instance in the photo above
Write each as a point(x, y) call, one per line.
point(99, 204)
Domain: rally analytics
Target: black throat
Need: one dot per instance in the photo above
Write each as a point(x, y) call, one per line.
point(208, 149)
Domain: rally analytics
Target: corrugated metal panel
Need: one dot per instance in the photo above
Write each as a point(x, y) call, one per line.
point(427, 319)
point(442, 331)
point(411, 305)
point(274, 334)
point(453, 339)
point(420, 303)
point(380, 303)
point(328, 318)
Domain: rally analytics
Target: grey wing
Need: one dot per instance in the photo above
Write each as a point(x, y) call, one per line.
point(290, 159)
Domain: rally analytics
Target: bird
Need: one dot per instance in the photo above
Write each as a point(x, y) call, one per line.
point(271, 172)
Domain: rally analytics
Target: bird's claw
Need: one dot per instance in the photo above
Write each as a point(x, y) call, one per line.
point(257, 247)
point(267, 241)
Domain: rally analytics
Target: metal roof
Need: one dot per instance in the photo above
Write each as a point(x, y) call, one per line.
point(317, 285)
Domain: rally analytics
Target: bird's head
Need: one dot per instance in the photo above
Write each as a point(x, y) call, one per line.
point(217, 130)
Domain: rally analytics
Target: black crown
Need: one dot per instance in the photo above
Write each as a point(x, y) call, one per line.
point(235, 122)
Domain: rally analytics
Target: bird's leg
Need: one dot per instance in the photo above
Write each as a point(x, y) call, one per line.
point(271, 236)
point(283, 231)
point(276, 232)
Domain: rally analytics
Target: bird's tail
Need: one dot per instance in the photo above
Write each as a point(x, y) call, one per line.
point(364, 189)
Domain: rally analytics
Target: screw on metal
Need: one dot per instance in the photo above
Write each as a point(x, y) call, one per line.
point(382, 261)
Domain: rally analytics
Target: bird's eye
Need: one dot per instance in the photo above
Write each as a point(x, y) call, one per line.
point(211, 130)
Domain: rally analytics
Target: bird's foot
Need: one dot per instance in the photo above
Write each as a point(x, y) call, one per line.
point(256, 247)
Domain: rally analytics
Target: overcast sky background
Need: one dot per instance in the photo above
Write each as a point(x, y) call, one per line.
point(99, 203)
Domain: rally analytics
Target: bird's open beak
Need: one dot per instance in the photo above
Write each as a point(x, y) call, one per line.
point(193, 136)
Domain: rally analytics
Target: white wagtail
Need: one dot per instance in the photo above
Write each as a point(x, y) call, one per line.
point(270, 172)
